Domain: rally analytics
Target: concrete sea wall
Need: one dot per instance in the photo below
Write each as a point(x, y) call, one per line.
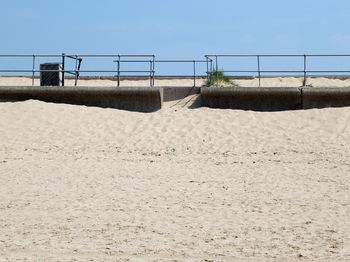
point(150, 99)
point(262, 99)
point(325, 97)
point(142, 99)
point(274, 98)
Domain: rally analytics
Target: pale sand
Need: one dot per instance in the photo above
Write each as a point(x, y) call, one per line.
point(90, 184)
point(267, 82)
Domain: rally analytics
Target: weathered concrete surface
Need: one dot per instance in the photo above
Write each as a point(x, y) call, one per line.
point(142, 99)
point(178, 92)
point(325, 97)
point(252, 98)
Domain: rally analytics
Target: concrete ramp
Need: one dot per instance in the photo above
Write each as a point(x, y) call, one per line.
point(252, 98)
point(325, 97)
point(172, 93)
point(142, 99)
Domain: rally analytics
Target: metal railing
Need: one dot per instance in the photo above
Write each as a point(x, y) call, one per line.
point(63, 57)
point(78, 61)
point(193, 62)
point(152, 67)
point(212, 66)
point(213, 61)
point(77, 68)
point(116, 58)
point(151, 70)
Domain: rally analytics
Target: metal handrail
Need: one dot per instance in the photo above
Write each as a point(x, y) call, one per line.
point(169, 61)
point(151, 70)
point(214, 59)
point(118, 58)
point(210, 60)
point(186, 61)
point(78, 59)
point(272, 55)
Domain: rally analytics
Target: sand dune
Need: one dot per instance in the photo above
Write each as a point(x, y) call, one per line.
point(90, 184)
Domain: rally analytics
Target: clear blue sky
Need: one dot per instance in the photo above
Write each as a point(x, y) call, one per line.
point(176, 29)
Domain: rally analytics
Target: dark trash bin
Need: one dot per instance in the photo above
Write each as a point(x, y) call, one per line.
point(53, 78)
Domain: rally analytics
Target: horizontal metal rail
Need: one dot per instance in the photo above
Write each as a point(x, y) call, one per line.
point(163, 61)
point(78, 60)
point(274, 55)
point(210, 60)
point(81, 71)
point(215, 58)
point(195, 75)
point(152, 62)
point(285, 71)
point(76, 55)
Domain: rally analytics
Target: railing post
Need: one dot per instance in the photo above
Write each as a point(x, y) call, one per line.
point(79, 64)
point(153, 70)
point(304, 70)
point(118, 70)
point(33, 72)
point(194, 73)
point(258, 57)
point(207, 67)
point(76, 70)
point(217, 73)
point(150, 72)
point(63, 61)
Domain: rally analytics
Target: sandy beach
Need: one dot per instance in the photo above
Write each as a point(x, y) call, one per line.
point(182, 184)
point(244, 82)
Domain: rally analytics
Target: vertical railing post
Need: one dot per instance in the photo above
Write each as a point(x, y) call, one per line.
point(63, 61)
point(217, 72)
point(33, 72)
point(194, 73)
point(304, 70)
point(207, 67)
point(150, 73)
point(258, 57)
point(153, 69)
point(118, 70)
point(79, 64)
point(76, 70)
